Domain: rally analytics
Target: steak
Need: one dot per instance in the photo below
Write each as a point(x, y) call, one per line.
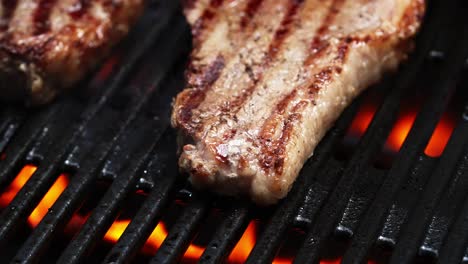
point(268, 78)
point(48, 45)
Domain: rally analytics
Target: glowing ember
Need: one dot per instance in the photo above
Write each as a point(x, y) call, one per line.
point(245, 245)
point(16, 185)
point(239, 254)
point(440, 137)
point(156, 239)
point(194, 252)
point(49, 199)
point(116, 230)
point(400, 131)
point(282, 261)
point(362, 120)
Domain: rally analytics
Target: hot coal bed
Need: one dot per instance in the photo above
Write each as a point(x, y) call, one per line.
point(93, 177)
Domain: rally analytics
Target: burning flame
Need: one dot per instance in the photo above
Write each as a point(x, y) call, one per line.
point(154, 241)
point(362, 120)
point(16, 185)
point(400, 131)
point(244, 246)
point(47, 201)
point(440, 137)
point(239, 254)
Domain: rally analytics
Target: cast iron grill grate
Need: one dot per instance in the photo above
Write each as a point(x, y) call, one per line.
point(405, 207)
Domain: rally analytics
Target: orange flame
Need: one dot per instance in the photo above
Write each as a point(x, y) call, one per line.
point(244, 246)
point(362, 120)
point(16, 185)
point(154, 241)
point(49, 199)
point(440, 137)
point(282, 261)
point(334, 261)
point(400, 131)
point(239, 254)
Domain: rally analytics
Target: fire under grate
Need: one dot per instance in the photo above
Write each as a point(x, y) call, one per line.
point(93, 177)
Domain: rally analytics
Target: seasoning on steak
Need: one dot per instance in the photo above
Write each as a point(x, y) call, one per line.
point(48, 45)
point(268, 78)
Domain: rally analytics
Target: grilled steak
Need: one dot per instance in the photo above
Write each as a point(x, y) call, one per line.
point(268, 78)
point(48, 45)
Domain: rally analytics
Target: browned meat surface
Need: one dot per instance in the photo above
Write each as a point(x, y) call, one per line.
point(268, 78)
point(48, 45)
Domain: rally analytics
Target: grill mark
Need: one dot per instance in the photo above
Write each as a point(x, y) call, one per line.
point(271, 157)
point(284, 30)
point(280, 36)
point(198, 92)
point(343, 49)
point(319, 45)
point(250, 10)
point(279, 110)
point(41, 23)
point(79, 8)
point(9, 7)
point(275, 154)
point(286, 135)
point(205, 18)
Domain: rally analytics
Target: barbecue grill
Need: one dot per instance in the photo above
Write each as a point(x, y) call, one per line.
point(93, 177)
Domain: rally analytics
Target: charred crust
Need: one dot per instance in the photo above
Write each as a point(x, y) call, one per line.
point(13, 80)
point(203, 22)
point(195, 95)
point(23, 81)
point(250, 11)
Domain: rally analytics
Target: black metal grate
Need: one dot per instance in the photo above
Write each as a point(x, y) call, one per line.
point(116, 130)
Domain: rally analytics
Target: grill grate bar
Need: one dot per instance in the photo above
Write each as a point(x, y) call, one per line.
point(230, 230)
point(10, 121)
point(405, 201)
point(318, 193)
point(447, 209)
point(180, 235)
point(457, 241)
point(21, 143)
point(102, 217)
point(143, 223)
point(360, 200)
